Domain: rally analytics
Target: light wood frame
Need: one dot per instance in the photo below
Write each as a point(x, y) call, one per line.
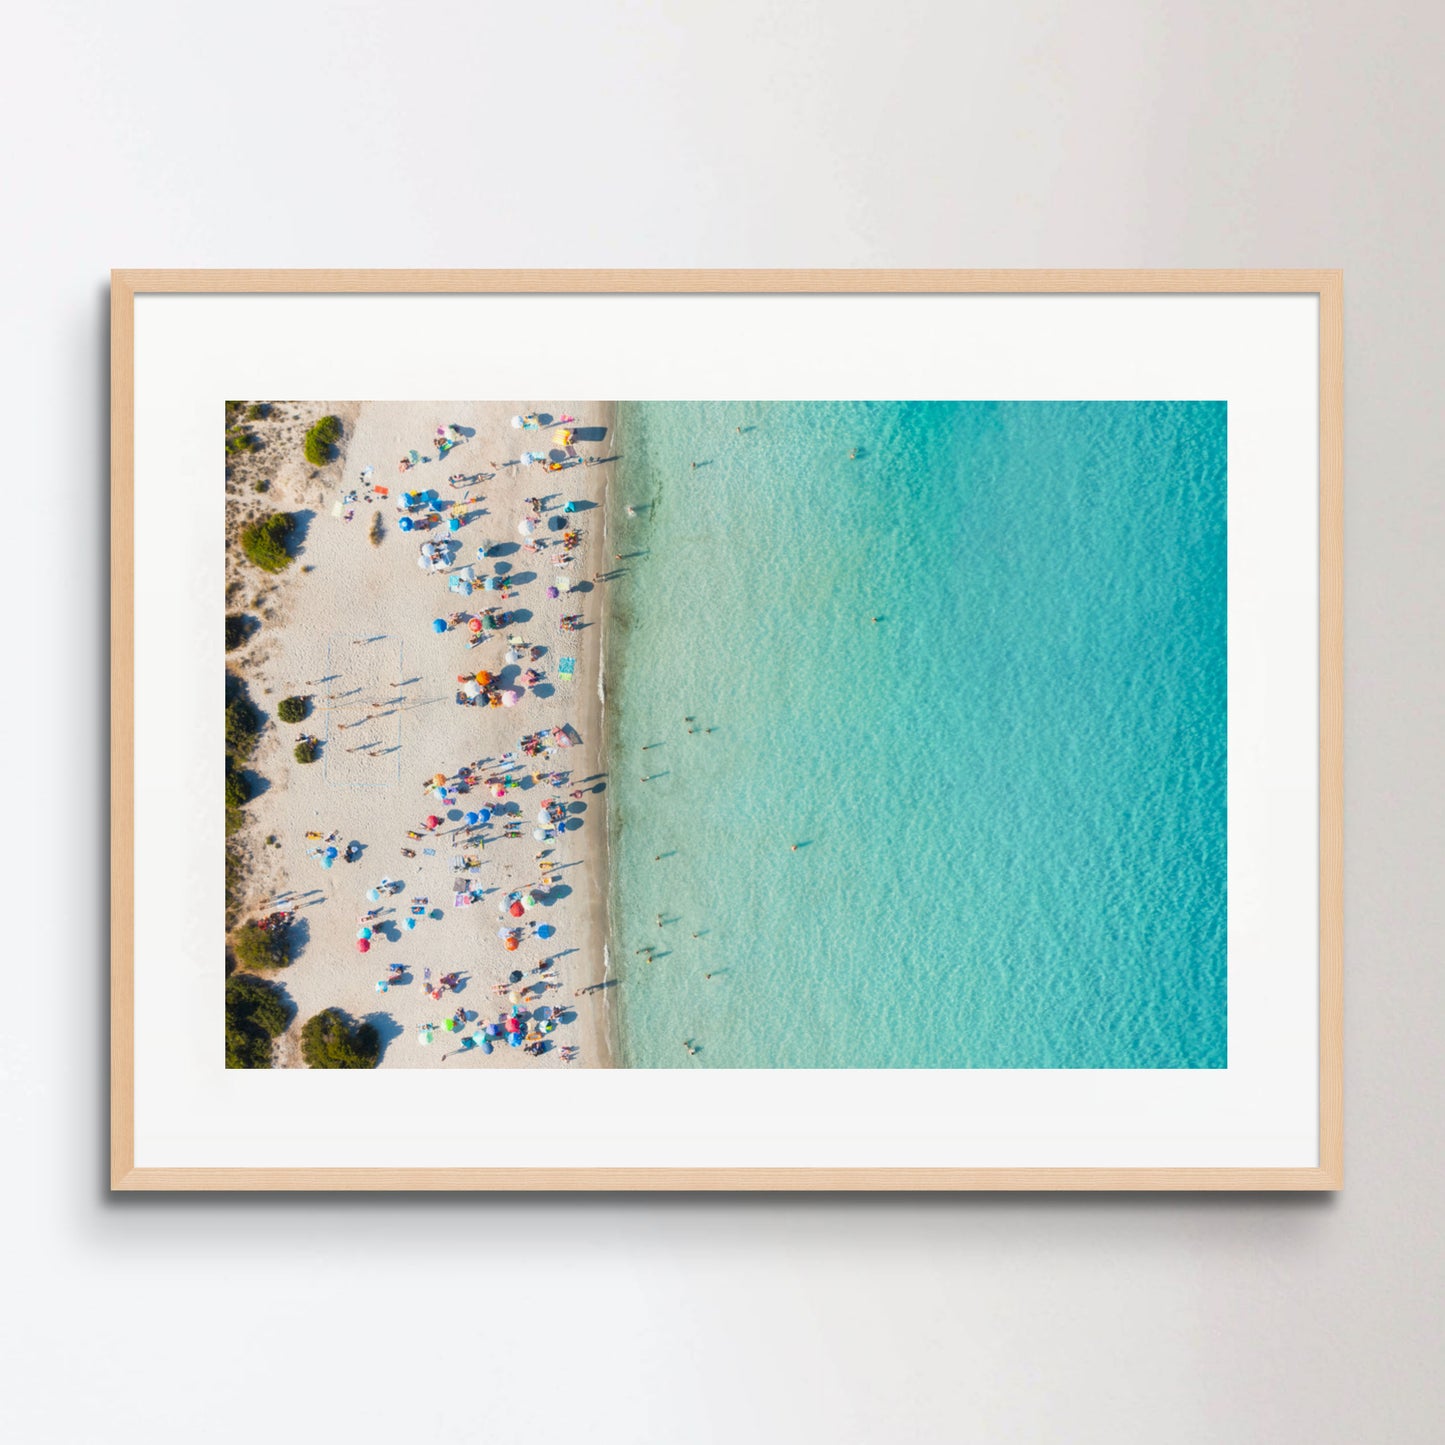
point(1326, 285)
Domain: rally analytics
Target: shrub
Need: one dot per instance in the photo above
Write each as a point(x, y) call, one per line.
point(258, 411)
point(262, 486)
point(378, 529)
point(305, 752)
point(238, 440)
point(321, 439)
point(260, 948)
point(242, 729)
point(264, 541)
point(235, 868)
point(235, 821)
point(238, 790)
point(255, 1014)
point(329, 1040)
point(292, 709)
point(238, 629)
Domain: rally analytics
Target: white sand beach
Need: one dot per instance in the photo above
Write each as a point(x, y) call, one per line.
point(350, 625)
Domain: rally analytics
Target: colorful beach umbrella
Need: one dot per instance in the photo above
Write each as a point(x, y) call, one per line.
point(473, 819)
point(362, 946)
point(510, 945)
point(363, 933)
point(438, 625)
point(551, 592)
point(545, 931)
point(433, 821)
point(516, 910)
point(474, 625)
point(373, 895)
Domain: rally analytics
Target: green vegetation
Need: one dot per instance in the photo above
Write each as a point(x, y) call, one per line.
point(235, 865)
point(378, 529)
point(329, 1040)
point(256, 1013)
point(243, 726)
point(260, 948)
point(239, 628)
point(239, 439)
point(258, 411)
point(238, 790)
point(293, 709)
point(320, 446)
point(305, 752)
point(264, 541)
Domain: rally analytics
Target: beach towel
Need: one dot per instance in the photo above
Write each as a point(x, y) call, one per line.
point(565, 667)
point(337, 509)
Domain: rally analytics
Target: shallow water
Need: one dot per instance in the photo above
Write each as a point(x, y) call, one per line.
point(1008, 792)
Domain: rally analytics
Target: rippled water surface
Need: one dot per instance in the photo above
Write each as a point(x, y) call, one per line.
point(1007, 792)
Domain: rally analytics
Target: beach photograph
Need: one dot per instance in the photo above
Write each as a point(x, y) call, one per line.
point(726, 734)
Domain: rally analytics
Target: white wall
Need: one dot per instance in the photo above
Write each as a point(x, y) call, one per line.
point(809, 133)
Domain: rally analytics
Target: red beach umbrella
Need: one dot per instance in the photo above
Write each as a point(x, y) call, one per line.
point(516, 910)
point(475, 625)
point(511, 945)
point(433, 821)
point(362, 946)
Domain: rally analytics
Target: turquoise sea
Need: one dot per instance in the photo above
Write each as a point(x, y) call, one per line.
point(1007, 792)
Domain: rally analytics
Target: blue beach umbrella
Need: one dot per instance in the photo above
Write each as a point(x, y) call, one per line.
point(331, 852)
point(363, 933)
point(515, 1040)
point(492, 1030)
point(328, 862)
point(438, 625)
point(411, 923)
point(404, 524)
point(373, 895)
point(485, 1045)
point(545, 931)
point(473, 819)
point(486, 815)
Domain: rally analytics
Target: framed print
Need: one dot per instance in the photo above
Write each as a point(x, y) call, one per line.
point(726, 730)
